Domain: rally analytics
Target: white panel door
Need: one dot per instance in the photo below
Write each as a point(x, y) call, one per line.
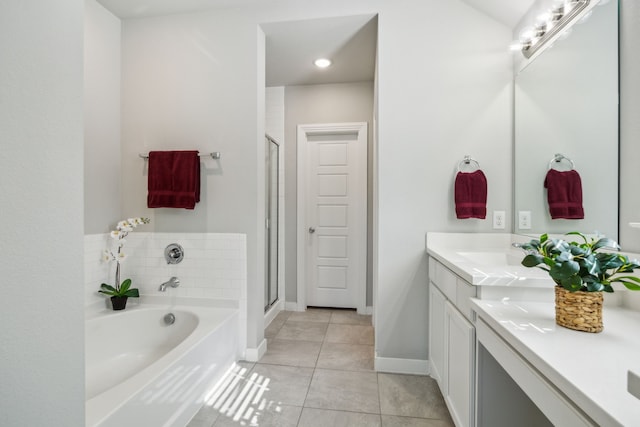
point(335, 186)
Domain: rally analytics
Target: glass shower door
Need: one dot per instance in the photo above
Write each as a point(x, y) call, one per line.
point(272, 182)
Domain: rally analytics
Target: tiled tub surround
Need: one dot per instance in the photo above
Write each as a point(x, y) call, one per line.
point(214, 265)
point(213, 271)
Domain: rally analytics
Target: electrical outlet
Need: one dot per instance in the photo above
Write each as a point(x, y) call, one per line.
point(524, 220)
point(499, 220)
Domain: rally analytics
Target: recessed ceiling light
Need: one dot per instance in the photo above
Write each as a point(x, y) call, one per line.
point(322, 62)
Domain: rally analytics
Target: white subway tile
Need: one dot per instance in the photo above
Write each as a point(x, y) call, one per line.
point(214, 264)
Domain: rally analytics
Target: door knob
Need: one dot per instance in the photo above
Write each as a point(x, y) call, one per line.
point(312, 230)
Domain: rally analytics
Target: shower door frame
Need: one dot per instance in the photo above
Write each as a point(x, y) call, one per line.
point(268, 305)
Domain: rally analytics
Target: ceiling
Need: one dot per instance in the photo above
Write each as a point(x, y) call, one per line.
point(508, 12)
point(144, 8)
point(350, 42)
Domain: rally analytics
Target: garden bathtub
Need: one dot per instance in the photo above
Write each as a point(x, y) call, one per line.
point(143, 371)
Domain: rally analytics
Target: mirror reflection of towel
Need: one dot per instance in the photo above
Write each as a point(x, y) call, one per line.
point(564, 194)
point(471, 195)
point(174, 179)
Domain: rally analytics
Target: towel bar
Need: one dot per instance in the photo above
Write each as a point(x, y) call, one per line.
point(214, 155)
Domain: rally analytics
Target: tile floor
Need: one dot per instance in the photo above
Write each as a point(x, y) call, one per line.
point(317, 372)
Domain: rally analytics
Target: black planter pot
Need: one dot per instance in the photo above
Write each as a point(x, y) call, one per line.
point(119, 303)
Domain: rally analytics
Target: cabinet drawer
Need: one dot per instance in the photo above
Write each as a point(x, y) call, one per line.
point(445, 280)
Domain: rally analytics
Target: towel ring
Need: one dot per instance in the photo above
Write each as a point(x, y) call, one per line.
point(558, 158)
point(467, 161)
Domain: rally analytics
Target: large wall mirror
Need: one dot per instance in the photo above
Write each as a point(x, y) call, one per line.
point(566, 101)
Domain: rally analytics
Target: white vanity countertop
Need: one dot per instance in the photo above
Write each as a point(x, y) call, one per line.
point(486, 259)
point(589, 368)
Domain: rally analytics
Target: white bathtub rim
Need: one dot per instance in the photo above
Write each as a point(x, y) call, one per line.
point(103, 308)
point(103, 405)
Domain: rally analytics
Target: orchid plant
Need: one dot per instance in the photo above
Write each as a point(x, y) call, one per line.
point(122, 289)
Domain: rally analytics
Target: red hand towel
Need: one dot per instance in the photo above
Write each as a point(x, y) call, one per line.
point(564, 194)
point(471, 195)
point(174, 179)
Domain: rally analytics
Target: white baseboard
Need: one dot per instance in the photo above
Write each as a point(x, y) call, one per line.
point(291, 306)
point(401, 366)
point(273, 312)
point(255, 354)
point(368, 310)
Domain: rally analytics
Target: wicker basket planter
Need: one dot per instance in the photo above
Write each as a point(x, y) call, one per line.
point(579, 310)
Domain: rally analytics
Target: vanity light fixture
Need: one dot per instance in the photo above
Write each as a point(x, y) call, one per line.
point(322, 62)
point(550, 25)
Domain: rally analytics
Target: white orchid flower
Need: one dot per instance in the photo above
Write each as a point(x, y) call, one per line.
point(107, 256)
point(125, 226)
point(122, 230)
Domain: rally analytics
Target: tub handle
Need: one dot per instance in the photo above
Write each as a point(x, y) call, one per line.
point(169, 319)
point(174, 253)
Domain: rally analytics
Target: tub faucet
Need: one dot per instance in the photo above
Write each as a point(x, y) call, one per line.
point(174, 282)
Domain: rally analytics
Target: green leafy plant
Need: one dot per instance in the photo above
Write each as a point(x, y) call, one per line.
point(124, 290)
point(121, 289)
point(579, 266)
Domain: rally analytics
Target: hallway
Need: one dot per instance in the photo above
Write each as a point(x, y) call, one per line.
point(318, 371)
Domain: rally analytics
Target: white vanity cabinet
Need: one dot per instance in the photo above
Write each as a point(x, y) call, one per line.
point(452, 341)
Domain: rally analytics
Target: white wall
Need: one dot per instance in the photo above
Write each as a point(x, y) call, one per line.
point(274, 113)
point(445, 89)
point(102, 206)
point(193, 81)
point(328, 103)
point(42, 334)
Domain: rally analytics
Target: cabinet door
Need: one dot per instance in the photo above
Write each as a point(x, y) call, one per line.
point(459, 367)
point(437, 343)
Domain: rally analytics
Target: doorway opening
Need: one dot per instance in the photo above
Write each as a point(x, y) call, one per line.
point(298, 93)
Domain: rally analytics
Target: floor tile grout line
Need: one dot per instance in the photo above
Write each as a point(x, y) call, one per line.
point(313, 374)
